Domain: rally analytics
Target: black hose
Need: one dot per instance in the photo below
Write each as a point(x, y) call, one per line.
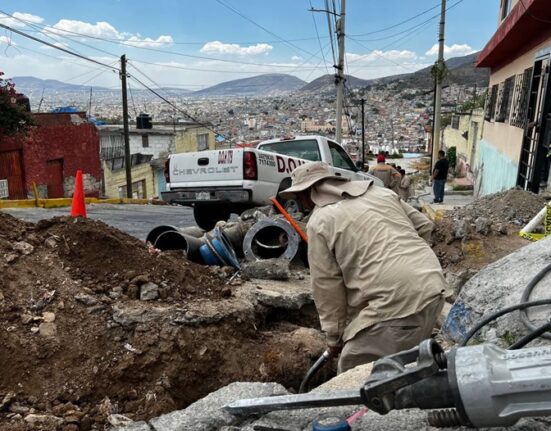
point(541, 330)
point(325, 356)
point(526, 296)
point(500, 313)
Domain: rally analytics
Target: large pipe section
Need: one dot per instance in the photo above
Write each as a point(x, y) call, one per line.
point(271, 238)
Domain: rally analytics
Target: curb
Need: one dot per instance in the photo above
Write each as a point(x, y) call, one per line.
point(66, 202)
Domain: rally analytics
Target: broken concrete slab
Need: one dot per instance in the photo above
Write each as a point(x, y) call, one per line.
point(267, 269)
point(500, 285)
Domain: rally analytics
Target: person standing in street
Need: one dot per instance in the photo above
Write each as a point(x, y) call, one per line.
point(439, 177)
point(386, 173)
point(377, 285)
point(405, 186)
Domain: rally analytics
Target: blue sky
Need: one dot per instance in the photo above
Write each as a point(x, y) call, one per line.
point(260, 36)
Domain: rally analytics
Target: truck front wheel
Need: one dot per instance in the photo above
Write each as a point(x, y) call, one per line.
point(207, 215)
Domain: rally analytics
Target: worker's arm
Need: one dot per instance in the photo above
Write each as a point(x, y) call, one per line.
point(434, 174)
point(328, 288)
point(421, 223)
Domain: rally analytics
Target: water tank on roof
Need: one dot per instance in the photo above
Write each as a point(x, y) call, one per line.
point(143, 121)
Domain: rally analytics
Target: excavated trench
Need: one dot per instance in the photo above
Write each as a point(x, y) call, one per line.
point(96, 323)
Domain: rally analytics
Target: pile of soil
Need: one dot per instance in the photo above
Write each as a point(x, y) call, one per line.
point(512, 206)
point(79, 345)
point(484, 231)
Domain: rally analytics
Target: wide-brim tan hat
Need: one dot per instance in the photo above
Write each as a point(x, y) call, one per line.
point(305, 176)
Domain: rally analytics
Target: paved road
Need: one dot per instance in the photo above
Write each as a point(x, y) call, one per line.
point(136, 220)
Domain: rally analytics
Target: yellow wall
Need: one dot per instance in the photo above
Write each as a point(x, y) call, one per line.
point(186, 139)
point(117, 178)
point(455, 137)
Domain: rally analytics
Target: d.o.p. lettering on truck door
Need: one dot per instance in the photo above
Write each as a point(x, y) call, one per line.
point(288, 165)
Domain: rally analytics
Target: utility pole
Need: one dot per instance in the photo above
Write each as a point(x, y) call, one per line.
point(127, 160)
point(363, 133)
point(392, 135)
point(340, 72)
point(438, 84)
point(90, 104)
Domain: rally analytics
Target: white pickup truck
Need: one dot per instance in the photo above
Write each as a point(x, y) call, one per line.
point(220, 182)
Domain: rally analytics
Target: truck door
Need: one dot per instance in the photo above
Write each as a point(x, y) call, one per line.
point(342, 164)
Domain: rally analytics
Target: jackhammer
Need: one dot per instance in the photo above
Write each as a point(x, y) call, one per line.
point(478, 386)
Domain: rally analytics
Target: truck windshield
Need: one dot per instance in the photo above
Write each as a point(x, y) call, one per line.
point(340, 157)
point(305, 149)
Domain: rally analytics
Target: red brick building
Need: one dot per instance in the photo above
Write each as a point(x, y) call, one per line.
point(55, 148)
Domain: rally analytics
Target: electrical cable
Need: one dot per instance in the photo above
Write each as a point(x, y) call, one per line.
point(51, 45)
point(234, 10)
point(318, 35)
point(398, 24)
point(330, 28)
point(500, 313)
point(526, 296)
point(540, 331)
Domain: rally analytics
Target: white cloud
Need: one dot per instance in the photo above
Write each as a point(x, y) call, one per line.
point(17, 16)
point(296, 58)
point(148, 42)
point(7, 41)
point(394, 55)
point(456, 50)
point(99, 29)
point(58, 44)
point(217, 47)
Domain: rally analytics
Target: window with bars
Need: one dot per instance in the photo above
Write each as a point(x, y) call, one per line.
point(506, 99)
point(520, 99)
point(491, 103)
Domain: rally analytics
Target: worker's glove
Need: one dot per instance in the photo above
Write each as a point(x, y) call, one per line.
point(334, 351)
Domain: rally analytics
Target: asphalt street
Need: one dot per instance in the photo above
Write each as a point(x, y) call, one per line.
point(136, 220)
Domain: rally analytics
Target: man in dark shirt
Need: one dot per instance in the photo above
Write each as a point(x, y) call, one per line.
point(439, 176)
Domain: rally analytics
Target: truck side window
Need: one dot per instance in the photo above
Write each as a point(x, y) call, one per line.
point(340, 157)
point(306, 149)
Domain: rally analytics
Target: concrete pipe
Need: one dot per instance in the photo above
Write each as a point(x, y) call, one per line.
point(159, 230)
point(174, 240)
point(269, 239)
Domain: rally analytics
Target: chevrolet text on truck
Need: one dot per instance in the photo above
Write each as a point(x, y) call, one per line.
point(220, 182)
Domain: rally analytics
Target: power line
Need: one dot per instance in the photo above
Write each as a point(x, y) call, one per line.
point(382, 30)
point(330, 28)
point(234, 10)
point(318, 35)
point(28, 36)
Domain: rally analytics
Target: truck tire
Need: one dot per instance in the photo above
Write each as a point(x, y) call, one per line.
point(290, 205)
point(206, 216)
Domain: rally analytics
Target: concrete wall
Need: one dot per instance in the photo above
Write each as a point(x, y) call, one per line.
point(117, 178)
point(67, 137)
point(466, 140)
point(159, 145)
point(186, 139)
point(494, 170)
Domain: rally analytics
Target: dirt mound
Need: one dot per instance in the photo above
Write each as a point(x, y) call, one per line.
point(485, 230)
point(511, 206)
point(79, 345)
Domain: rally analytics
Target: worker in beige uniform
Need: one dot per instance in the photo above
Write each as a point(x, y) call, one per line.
point(377, 285)
point(387, 174)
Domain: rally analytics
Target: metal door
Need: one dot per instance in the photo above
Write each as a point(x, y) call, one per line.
point(55, 178)
point(11, 169)
point(534, 163)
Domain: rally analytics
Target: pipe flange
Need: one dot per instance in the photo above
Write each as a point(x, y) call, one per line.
point(293, 240)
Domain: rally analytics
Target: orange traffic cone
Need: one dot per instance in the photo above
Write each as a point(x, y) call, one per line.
point(79, 205)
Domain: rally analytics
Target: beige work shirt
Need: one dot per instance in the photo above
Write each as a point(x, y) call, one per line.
point(388, 175)
point(368, 259)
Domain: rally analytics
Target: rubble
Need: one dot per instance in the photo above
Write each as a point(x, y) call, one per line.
point(267, 269)
point(76, 335)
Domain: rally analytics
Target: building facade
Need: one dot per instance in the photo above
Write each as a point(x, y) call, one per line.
point(516, 139)
point(193, 137)
point(56, 147)
point(464, 133)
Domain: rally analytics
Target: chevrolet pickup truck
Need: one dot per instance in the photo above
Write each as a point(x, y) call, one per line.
point(220, 182)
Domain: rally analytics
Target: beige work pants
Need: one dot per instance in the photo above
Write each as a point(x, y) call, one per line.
point(391, 336)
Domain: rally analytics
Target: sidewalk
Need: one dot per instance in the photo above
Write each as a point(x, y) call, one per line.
point(452, 200)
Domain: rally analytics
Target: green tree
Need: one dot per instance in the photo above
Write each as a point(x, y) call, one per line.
point(13, 117)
